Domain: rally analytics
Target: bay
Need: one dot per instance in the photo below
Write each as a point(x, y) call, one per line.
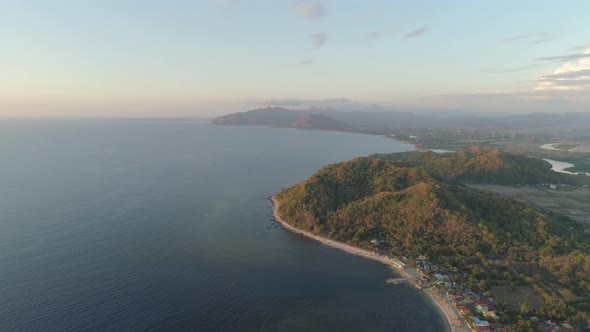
point(160, 225)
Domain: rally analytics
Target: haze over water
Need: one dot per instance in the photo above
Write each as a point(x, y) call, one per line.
point(161, 225)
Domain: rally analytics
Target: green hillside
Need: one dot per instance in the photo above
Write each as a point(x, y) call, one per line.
point(415, 206)
point(488, 165)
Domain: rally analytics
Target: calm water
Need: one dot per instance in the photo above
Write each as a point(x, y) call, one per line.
point(130, 225)
point(562, 166)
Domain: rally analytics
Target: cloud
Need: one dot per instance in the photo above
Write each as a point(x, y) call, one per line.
point(308, 102)
point(332, 104)
point(416, 33)
point(566, 89)
point(568, 74)
point(584, 82)
point(579, 48)
point(568, 57)
point(305, 62)
point(374, 35)
point(318, 39)
point(573, 75)
point(507, 70)
point(541, 40)
point(551, 101)
point(310, 10)
point(532, 38)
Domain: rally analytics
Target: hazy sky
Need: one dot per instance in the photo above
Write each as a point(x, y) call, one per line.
point(204, 57)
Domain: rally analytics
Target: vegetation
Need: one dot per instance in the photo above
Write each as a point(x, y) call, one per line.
point(415, 205)
point(487, 165)
point(520, 139)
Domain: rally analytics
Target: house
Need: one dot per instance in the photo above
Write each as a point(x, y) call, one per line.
point(481, 308)
point(464, 310)
point(378, 242)
point(496, 326)
point(398, 264)
point(567, 326)
point(481, 302)
point(472, 296)
point(456, 296)
point(548, 326)
point(441, 277)
point(490, 314)
point(478, 322)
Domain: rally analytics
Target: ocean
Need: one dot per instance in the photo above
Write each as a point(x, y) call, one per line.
point(124, 225)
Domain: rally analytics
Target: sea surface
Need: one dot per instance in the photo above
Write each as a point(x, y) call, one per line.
point(113, 225)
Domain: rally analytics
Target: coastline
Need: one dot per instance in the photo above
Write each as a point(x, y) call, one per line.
point(454, 322)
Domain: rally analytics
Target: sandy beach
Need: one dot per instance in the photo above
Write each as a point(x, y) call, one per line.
point(454, 319)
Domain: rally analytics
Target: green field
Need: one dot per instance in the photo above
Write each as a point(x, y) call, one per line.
point(521, 141)
point(572, 203)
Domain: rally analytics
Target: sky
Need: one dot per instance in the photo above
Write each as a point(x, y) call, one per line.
point(209, 57)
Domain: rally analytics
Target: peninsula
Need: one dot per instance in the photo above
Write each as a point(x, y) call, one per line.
point(501, 263)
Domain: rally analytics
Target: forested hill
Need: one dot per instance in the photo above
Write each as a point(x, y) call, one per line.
point(486, 239)
point(476, 164)
point(269, 116)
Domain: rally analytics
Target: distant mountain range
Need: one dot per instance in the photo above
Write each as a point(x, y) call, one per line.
point(385, 122)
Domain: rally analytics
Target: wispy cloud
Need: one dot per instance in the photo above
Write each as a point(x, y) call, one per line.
point(308, 102)
point(310, 10)
point(506, 70)
point(532, 38)
point(305, 62)
point(568, 74)
point(569, 83)
point(374, 35)
point(416, 33)
point(580, 47)
point(568, 57)
point(319, 39)
point(340, 104)
point(529, 100)
point(573, 75)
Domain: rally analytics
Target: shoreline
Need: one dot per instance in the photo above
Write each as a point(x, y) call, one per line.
point(410, 275)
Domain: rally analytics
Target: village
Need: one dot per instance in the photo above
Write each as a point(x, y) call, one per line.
point(475, 311)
